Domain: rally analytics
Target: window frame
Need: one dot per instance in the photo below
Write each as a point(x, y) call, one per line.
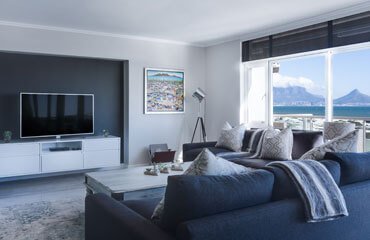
point(245, 80)
point(328, 53)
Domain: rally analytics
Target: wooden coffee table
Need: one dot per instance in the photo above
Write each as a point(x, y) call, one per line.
point(130, 183)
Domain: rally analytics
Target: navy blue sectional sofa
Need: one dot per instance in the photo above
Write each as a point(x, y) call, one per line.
point(261, 205)
point(303, 141)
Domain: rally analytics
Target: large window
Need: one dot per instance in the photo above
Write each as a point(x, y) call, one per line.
point(305, 90)
point(351, 88)
point(299, 86)
point(256, 97)
point(299, 89)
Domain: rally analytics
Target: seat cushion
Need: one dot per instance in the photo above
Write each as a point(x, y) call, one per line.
point(303, 141)
point(355, 167)
point(192, 197)
point(252, 162)
point(144, 207)
point(284, 187)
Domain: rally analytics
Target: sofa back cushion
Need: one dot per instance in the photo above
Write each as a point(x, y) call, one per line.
point(192, 197)
point(284, 187)
point(355, 167)
point(303, 141)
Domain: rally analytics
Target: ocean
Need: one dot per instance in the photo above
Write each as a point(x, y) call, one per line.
point(342, 111)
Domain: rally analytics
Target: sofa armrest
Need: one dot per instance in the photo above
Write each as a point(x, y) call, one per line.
point(190, 146)
point(106, 218)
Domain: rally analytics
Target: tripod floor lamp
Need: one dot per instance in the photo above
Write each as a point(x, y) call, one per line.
point(199, 95)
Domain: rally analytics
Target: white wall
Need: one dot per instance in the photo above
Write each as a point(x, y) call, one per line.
point(143, 129)
point(222, 86)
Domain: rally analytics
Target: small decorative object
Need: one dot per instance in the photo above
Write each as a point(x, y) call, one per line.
point(152, 171)
point(7, 136)
point(105, 133)
point(163, 168)
point(164, 91)
point(177, 167)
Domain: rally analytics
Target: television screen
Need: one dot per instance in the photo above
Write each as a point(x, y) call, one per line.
point(44, 114)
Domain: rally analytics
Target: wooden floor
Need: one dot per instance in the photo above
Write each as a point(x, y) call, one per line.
point(47, 188)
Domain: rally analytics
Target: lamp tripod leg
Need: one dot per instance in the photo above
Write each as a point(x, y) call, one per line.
point(203, 130)
point(195, 130)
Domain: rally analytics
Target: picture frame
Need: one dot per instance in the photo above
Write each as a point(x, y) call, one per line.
point(164, 91)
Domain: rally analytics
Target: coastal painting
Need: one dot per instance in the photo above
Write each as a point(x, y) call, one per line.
point(164, 91)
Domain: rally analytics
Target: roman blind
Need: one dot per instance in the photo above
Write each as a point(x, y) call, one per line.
point(350, 30)
point(259, 48)
point(338, 32)
point(300, 40)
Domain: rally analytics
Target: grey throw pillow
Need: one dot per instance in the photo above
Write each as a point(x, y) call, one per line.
point(345, 143)
point(231, 138)
point(206, 163)
point(277, 145)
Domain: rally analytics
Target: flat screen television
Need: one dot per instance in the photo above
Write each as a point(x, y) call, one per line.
point(55, 114)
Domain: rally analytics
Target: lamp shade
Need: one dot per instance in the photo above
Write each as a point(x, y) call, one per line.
point(337, 129)
point(199, 94)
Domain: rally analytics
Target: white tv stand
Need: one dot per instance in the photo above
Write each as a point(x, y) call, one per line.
point(29, 157)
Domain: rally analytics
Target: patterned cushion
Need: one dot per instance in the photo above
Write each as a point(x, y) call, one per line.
point(337, 129)
point(345, 143)
point(277, 145)
point(206, 163)
point(251, 140)
point(231, 138)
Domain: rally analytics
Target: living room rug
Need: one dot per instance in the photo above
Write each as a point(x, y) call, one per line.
point(43, 220)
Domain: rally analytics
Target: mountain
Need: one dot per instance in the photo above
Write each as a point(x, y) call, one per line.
point(164, 77)
point(162, 74)
point(297, 96)
point(354, 98)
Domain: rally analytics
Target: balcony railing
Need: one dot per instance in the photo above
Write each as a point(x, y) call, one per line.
point(313, 122)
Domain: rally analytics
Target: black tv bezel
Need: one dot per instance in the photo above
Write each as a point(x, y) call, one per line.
point(57, 135)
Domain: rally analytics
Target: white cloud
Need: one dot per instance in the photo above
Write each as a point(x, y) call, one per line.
point(287, 81)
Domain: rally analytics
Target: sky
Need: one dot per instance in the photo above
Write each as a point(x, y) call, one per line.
point(351, 70)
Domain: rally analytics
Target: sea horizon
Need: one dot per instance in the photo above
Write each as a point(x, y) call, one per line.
point(341, 111)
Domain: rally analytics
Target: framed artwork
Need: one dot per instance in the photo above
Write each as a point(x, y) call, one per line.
point(164, 91)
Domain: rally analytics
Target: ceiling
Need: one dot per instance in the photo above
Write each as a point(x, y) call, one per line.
point(197, 22)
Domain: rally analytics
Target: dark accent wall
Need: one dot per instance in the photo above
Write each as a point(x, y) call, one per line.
point(58, 74)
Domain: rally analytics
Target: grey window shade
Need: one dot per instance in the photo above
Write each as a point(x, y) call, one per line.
point(338, 32)
point(245, 51)
point(259, 48)
point(351, 30)
point(301, 40)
